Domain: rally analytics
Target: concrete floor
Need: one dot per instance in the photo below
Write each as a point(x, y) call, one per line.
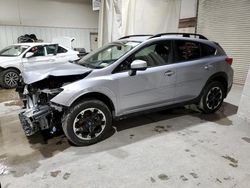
point(177, 148)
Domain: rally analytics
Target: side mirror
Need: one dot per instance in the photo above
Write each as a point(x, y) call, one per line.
point(29, 54)
point(137, 65)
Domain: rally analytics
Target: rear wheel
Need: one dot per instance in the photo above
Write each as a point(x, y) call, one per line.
point(9, 78)
point(212, 98)
point(87, 122)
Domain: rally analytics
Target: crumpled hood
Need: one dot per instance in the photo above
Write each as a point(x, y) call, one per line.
point(33, 74)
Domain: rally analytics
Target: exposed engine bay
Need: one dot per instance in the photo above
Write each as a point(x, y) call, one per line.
point(38, 112)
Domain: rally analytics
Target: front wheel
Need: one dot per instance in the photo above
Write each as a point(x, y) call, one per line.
point(9, 78)
point(212, 97)
point(87, 122)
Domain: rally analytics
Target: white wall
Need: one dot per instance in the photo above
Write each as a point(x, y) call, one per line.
point(9, 34)
point(47, 19)
point(188, 8)
point(49, 13)
point(127, 17)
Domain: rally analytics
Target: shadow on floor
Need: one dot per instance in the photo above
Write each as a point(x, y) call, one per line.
point(138, 128)
point(132, 130)
point(125, 132)
point(220, 117)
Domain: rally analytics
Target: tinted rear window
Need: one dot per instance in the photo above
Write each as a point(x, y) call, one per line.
point(187, 50)
point(207, 50)
point(61, 50)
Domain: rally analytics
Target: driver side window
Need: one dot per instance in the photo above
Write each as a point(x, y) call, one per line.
point(157, 54)
point(38, 51)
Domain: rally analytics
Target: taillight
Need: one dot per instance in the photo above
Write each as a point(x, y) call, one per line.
point(229, 60)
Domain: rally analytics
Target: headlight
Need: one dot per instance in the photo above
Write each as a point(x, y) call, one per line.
point(52, 91)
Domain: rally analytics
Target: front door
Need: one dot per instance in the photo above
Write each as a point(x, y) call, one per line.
point(44, 55)
point(151, 88)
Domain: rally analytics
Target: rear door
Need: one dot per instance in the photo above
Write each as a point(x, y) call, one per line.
point(64, 54)
point(51, 53)
point(193, 68)
point(147, 89)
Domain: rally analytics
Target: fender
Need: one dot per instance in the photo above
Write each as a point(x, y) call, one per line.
point(219, 76)
point(67, 100)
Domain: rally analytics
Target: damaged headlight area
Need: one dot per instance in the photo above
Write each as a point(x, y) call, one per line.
point(38, 112)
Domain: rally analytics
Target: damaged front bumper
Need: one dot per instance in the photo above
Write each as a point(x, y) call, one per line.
point(39, 113)
point(35, 119)
point(37, 90)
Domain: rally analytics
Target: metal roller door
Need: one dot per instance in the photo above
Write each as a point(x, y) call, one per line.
point(228, 22)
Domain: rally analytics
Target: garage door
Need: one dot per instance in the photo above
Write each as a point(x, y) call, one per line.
point(228, 22)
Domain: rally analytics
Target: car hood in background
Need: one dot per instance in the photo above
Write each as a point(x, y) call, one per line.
point(32, 74)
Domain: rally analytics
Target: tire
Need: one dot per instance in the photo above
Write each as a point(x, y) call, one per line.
point(87, 122)
point(9, 78)
point(212, 97)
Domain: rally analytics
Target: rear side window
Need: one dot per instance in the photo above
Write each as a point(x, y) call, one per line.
point(51, 49)
point(61, 50)
point(207, 50)
point(186, 50)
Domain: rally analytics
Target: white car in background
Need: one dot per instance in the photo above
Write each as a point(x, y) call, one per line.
point(14, 58)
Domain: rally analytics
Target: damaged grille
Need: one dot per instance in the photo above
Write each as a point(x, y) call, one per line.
point(39, 113)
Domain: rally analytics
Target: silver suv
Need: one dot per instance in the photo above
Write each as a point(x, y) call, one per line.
point(134, 74)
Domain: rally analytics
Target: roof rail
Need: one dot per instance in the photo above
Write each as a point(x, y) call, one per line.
point(128, 36)
point(183, 34)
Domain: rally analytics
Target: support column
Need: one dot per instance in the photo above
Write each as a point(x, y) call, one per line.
point(244, 107)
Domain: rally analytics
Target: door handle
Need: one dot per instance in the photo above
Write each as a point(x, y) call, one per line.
point(169, 73)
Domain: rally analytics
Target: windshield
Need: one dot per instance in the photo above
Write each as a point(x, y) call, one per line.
point(107, 55)
point(12, 51)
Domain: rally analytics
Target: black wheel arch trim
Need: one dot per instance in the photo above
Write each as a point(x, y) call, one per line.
point(2, 69)
point(220, 77)
point(98, 96)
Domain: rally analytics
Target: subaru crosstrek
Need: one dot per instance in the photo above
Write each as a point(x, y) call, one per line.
point(134, 74)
